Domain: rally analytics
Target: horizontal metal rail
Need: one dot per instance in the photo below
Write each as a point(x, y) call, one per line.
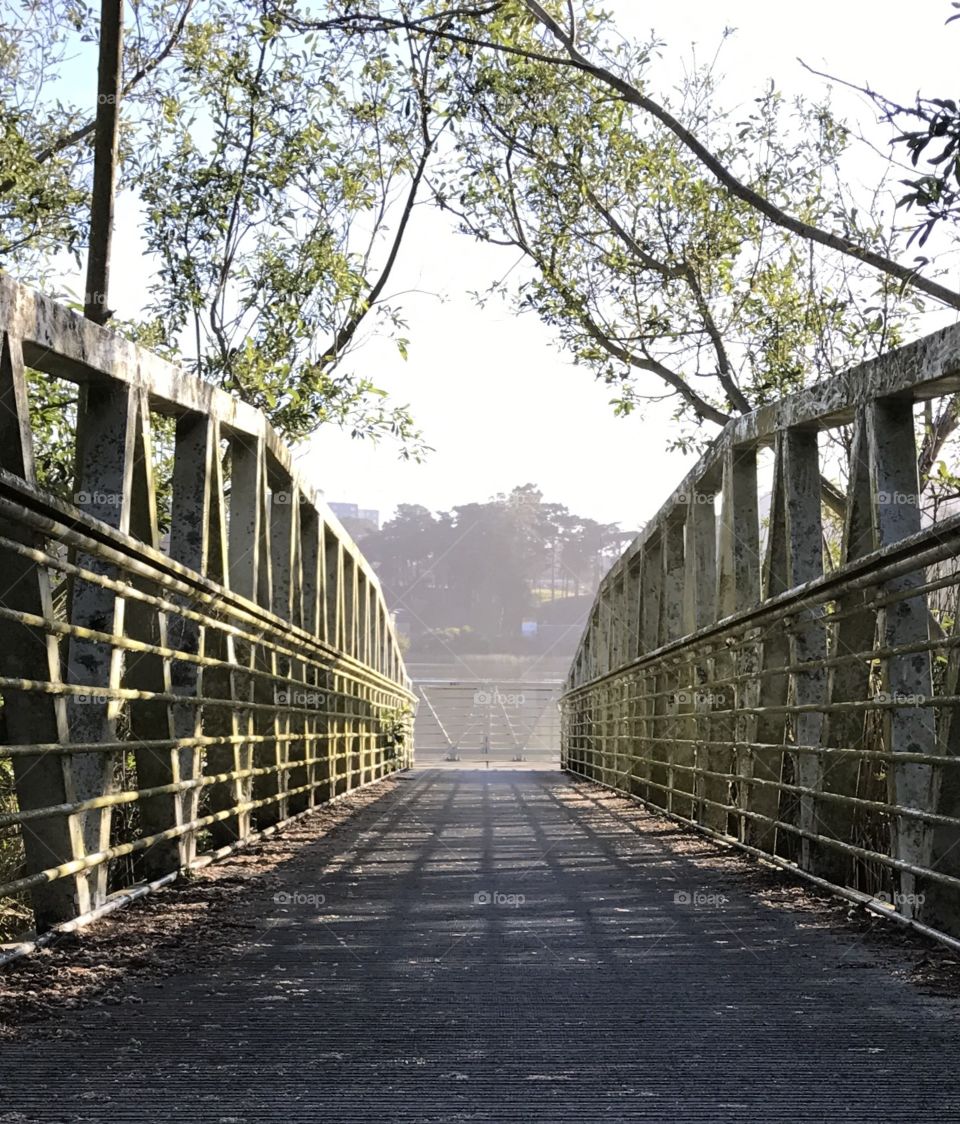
point(173, 700)
point(809, 714)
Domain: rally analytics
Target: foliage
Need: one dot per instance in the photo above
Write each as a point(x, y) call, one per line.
point(15, 913)
point(650, 272)
point(278, 152)
point(276, 172)
point(935, 194)
point(464, 580)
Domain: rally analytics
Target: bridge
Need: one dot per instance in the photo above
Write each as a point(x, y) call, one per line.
point(232, 895)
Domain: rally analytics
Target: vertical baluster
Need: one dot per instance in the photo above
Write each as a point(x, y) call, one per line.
point(774, 657)
point(670, 628)
point(222, 683)
point(808, 649)
point(333, 553)
point(651, 600)
point(143, 671)
point(738, 588)
point(311, 593)
point(855, 631)
point(197, 540)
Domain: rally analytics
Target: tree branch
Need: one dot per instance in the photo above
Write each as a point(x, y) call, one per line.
point(754, 199)
point(78, 134)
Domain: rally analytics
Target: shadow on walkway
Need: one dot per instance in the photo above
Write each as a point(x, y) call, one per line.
point(500, 945)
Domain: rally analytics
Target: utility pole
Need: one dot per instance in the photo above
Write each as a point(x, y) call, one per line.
point(109, 88)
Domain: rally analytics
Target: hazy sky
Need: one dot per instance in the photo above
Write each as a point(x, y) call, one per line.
point(500, 405)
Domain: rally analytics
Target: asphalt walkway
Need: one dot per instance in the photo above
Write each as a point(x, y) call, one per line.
point(504, 946)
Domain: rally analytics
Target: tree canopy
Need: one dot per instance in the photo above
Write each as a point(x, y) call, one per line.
point(277, 151)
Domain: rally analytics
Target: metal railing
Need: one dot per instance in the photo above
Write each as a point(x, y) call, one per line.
point(487, 722)
point(805, 714)
point(164, 705)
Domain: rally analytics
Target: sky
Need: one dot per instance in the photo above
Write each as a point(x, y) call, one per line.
point(492, 394)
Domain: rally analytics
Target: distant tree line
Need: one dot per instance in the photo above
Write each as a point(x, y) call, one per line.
point(467, 579)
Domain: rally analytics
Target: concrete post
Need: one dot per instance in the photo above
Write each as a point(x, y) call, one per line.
point(27, 652)
point(896, 488)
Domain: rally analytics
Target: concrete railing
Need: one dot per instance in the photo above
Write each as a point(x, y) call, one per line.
point(809, 715)
point(159, 703)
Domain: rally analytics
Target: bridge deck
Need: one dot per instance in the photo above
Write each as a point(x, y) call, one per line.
point(587, 988)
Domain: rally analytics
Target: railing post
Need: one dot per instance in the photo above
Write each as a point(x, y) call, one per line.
point(222, 683)
point(106, 433)
point(311, 594)
point(28, 652)
point(699, 610)
point(198, 541)
point(334, 566)
point(769, 728)
point(907, 678)
point(738, 587)
point(151, 719)
point(651, 598)
point(855, 631)
point(280, 513)
point(670, 628)
point(804, 525)
point(249, 576)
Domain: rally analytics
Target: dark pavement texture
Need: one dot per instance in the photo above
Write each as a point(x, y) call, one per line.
point(502, 946)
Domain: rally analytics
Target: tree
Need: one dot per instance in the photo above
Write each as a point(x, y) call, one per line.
point(466, 579)
point(277, 171)
point(928, 131)
point(526, 29)
point(644, 266)
point(935, 137)
point(719, 257)
point(673, 250)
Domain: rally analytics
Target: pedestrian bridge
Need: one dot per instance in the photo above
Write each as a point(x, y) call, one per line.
point(207, 722)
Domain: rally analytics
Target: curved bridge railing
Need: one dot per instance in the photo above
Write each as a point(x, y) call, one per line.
point(808, 713)
point(166, 698)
